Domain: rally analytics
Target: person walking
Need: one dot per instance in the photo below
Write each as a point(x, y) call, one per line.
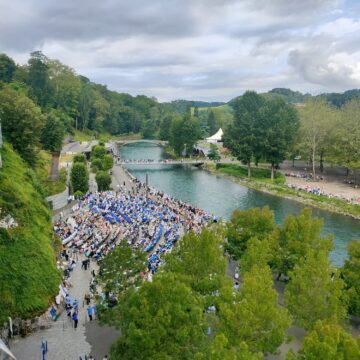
point(90, 312)
point(75, 319)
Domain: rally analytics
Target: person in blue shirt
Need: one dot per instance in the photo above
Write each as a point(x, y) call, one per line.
point(90, 312)
point(75, 319)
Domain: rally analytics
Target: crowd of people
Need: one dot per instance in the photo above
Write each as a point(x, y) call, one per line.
point(152, 222)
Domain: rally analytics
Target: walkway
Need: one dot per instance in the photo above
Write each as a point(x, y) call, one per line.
point(161, 162)
point(64, 342)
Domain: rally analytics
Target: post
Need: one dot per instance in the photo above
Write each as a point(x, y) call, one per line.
point(146, 188)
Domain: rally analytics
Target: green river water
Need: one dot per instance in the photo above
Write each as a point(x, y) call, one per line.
point(221, 196)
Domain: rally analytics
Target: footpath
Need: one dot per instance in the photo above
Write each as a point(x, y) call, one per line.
point(65, 342)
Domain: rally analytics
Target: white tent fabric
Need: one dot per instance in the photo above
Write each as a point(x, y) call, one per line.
point(216, 137)
point(5, 353)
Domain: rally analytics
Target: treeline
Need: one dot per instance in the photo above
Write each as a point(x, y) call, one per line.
point(193, 310)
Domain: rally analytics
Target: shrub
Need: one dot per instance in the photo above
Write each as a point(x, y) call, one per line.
point(103, 180)
point(108, 162)
point(80, 178)
point(79, 158)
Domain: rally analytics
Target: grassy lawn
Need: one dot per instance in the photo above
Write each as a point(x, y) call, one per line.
point(256, 173)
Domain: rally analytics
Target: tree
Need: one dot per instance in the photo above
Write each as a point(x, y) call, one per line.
point(66, 87)
point(97, 164)
point(52, 133)
point(79, 178)
point(38, 79)
point(185, 132)
point(107, 162)
point(244, 225)
point(298, 235)
point(351, 275)
point(98, 151)
point(199, 261)
point(211, 123)
point(214, 152)
point(103, 180)
point(328, 341)
point(165, 127)
point(242, 137)
point(160, 320)
point(79, 158)
point(22, 122)
point(316, 121)
point(315, 291)
point(7, 68)
point(280, 126)
point(255, 317)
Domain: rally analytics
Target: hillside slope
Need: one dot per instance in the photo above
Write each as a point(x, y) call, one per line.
point(28, 274)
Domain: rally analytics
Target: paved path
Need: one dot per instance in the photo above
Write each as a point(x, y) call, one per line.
point(65, 342)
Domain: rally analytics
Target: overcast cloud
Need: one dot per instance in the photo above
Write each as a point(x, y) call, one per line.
point(192, 49)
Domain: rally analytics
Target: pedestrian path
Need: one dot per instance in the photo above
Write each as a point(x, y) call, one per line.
point(65, 342)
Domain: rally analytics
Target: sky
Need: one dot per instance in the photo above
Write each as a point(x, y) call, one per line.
point(211, 50)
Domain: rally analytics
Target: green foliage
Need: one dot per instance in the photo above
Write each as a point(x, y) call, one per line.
point(98, 152)
point(103, 180)
point(214, 152)
point(244, 225)
point(185, 132)
point(28, 273)
point(211, 123)
point(199, 261)
point(79, 158)
point(52, 133)
point(160, 320)
point(79, 178)
point(315, 291)
point(22, 122)
point(96, 165)
point(255, 316)
point(7, 68)
point(165, 127)
point(256, 173)
point(351, 276)
point(107, 162)
point(299, 235)
point(328, 342)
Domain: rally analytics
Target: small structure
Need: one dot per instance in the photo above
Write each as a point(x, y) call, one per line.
point(216, 138)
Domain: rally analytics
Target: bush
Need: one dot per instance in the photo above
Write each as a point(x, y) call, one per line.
point(79, 158)
point(97, 165)
point(80, 178)
point(78, 194)
point(103, 180)
point(98, 152)
point(108, 162)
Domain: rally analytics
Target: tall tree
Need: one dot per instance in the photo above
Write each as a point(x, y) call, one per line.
point(255, 316)
point(160, 320)
point(165, 127)
point(244, 225)
point(211, 122)
point(351, 275)
point(22, 122)
point(7, 68)
point(79, 178)
point(242, 137)
point(38, 79)
point(52, 134)
point(316, 120)
point(280, 126)
point(315, 291)
point(298, 235)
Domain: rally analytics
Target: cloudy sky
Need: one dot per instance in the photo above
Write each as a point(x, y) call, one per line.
point(192, 49)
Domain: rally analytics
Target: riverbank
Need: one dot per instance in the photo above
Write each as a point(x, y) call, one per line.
point(322, 202)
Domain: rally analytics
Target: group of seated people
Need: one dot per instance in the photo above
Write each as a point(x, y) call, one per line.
point(152, 224)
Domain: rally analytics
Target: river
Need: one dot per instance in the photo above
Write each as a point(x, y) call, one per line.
point(221, 196)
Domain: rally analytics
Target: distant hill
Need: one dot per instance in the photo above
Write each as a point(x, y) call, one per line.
point(296, 97)
point(182, 106)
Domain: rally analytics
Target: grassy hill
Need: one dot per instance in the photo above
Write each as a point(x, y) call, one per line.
point(28, 274)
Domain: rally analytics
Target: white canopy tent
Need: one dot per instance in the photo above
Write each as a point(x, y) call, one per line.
point(5, 353)
point(216, 137)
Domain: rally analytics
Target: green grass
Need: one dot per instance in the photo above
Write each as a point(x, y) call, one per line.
point(89, 135)
point(28, 274)
point(42, 171)
point(256, 173)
